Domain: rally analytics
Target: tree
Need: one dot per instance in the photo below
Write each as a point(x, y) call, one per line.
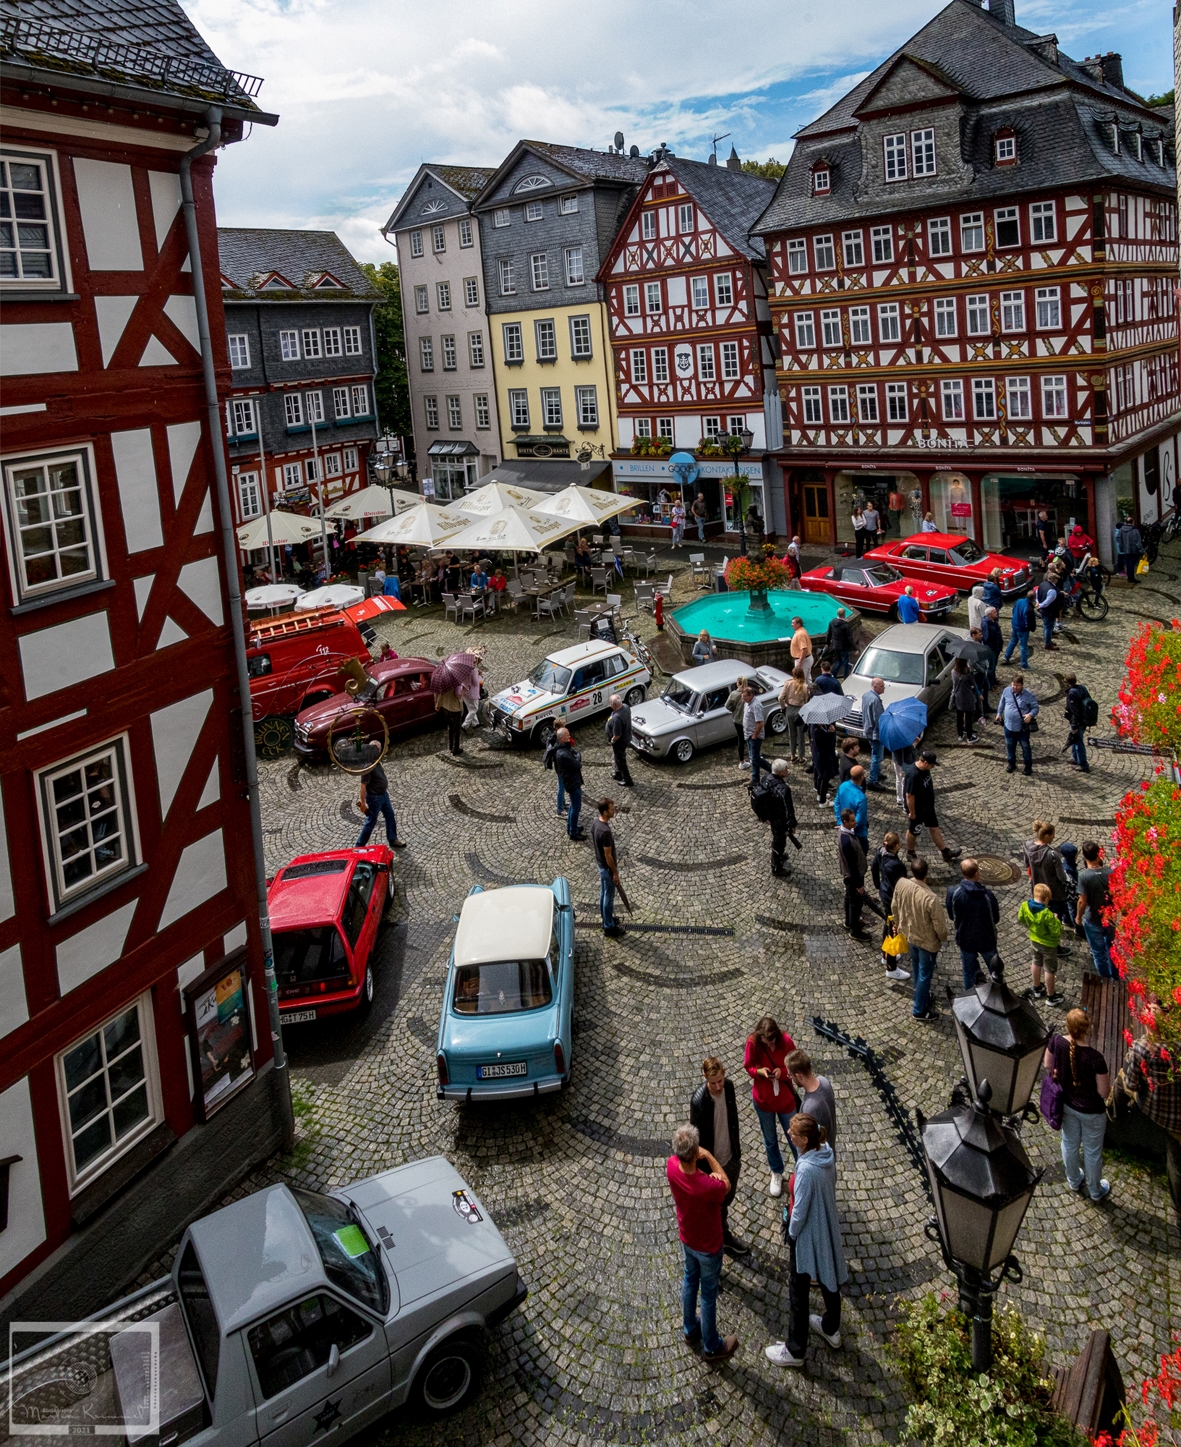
point(770, 169)
point(1165, 99)
point(392, 387)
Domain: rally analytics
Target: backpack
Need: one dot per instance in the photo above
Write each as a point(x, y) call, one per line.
point(1090, 712)
point(551, 748)
point(765, 800)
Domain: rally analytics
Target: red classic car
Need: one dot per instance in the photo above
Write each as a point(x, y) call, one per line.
point(952, 559)
point(325, 914)
point(876, 588)
point(399, 691)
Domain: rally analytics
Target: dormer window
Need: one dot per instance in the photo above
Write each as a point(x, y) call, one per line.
point(275, 281)
point(821, 180)
point(327, 282)
point(1004, 148)
point(1138, 142)
point(1113, 128)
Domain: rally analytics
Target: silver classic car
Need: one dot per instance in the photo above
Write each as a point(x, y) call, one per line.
point(691, 713)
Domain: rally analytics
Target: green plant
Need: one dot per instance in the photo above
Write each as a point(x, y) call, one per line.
point(1008, 1406)
point(708, 447)
point(749, 574)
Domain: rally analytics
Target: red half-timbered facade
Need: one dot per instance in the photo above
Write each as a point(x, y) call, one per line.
point(972, 295)
point(126, 867)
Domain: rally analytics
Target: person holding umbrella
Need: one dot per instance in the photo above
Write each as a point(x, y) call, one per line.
point(900, 728)
point(450, 681)
point(820, 714)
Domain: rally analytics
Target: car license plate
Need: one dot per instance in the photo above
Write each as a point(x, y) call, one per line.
point(498, 1072)
point(296, 1017)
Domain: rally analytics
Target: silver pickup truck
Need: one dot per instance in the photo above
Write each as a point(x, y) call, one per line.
point(291, 1317)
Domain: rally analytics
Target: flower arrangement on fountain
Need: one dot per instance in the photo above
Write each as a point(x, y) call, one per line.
point(756, 575)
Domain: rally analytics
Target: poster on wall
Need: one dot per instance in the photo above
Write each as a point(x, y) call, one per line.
point(1148, 467)
point(1168, 475)
point(217, 1010)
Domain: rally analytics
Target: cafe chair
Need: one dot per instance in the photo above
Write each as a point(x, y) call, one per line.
point(583, 618)
point(599, 580)
point(647, 561)
point(473, 605)
point(450, 605)
point(516, 593)
point(645, 597)
point(701, 570)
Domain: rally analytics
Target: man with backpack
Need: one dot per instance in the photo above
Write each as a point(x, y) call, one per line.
point(1082, 712)
point(772, 802)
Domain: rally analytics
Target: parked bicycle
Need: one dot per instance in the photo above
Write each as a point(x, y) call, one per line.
point(1089, 603)
point(635, 645)
point(1152, 535)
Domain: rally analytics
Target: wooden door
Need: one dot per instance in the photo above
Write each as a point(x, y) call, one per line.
point(816, 524)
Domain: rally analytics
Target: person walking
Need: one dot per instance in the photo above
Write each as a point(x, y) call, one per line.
point(1094, 909)
point(1076, 716)
point(450, 705)
point(677, 518)
point(619, 735)
point(1020, 623)
point(794, 694)
point(920, 806)
point(886, 870)
point(973, 909)
point(713, 1109)
point(1045, 931)
point(823, 739)
point(919, 914)
point(908, 605)
point(840, 643)
point(851, 795)
point(375, 800)
point(765, 1061)
point(705, 650)
point(1046, 605)
point(1044, 864)
point(700, 513)
point(852, 860)
point(783, 822)
point(1017, 710)
point(815, 1093)
point(736, 703)
point(1130, 546)
point(976, 606)
point(965, 700)
point(568, 764)
point(874, 531)
point(872, 708)
point(801, 647)
point(699, 1186)
point(1085, 1078)
point(814, 1245)
point(753, 727)
point(902, 759)
point(826, 681)
point(604, 842)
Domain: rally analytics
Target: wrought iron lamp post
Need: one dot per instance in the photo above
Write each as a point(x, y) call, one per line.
point(1002, 1040)
point(736, 444)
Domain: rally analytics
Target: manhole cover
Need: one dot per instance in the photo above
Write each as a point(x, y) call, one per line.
point(997, 871)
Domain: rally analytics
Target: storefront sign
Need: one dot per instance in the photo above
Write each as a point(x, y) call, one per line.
point(961, 509)
point(656, 469)
point(941, 444)
point(217, 1010)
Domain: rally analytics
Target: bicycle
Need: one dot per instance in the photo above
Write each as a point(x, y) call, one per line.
point(1152, 537)
point(635, 645)
point(1172, 526)
point(1088, 603)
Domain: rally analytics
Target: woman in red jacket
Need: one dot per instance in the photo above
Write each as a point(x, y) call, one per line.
point(774, 1099)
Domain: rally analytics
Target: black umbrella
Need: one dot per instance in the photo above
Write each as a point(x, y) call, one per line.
point(972, 652)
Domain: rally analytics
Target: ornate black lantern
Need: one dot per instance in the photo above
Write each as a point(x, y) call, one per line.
point(1002, 1040)
point(748, 438)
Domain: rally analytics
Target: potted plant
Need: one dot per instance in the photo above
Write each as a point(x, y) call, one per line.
point(756, 576)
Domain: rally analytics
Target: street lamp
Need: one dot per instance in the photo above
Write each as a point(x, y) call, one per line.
point(1002, 1041)
point(736, 444)
point(982, 1182)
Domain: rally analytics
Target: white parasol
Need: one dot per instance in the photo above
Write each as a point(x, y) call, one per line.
point(334, 595)
point(513, 530)
point(494, 497)
point(370, 502)
point(424, 526)
point(272, 595)
point(585, 506)
point(286, 527)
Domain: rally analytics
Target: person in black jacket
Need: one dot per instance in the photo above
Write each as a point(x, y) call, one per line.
point(824, 759)
point(886, 869)
point(568, 765)
point(839, 640)
point(852, 861)
point(1076, 717)
point(826, 680)
point(784, 821)
point(619, 734)
point(974, 911)
point(714, 1111)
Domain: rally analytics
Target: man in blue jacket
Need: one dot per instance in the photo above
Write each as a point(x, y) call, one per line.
point(908, 606)
point(1022, 622)
point(1018, 709)
point(851, 795)
point(975, 913)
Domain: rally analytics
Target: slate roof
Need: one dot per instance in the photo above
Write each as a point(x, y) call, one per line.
point(594, 165)
point(733, 200)
point(249, 255)
point(469, 181)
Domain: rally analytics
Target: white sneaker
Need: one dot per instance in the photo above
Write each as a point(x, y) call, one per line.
point(776, 1186)
point(897, 974)
point(744, 764)
point(834, 1341)
point(778, 1353)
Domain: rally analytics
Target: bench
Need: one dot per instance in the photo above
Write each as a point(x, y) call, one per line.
point(1106, 1002)
point(1090, 1392)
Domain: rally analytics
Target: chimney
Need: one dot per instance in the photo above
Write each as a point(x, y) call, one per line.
point(732, 161)
point(1112, 67)
point(1003, 10)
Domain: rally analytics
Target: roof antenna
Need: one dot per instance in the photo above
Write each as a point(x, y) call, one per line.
point(713, 158)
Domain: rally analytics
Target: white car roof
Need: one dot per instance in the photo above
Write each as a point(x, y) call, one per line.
point(572, 657)
point(511, 923)
point(913, 637)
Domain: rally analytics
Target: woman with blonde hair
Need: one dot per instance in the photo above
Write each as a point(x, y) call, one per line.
point(928, 523)
point(1085, 1078)
point(796, 692)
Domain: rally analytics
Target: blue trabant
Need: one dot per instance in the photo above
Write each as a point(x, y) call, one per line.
point(504, 1031)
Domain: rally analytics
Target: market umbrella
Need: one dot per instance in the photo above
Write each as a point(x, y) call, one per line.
point(373, 607)
point(286, 527)
point(335, 595)
point(424, 526)
point(494, 497)
point(972, 652)
point(454, 673)
point(370, 502)
point(512, 530)
point(826, 708)
point(272, 595)
point(585, 505)
point(901, 723)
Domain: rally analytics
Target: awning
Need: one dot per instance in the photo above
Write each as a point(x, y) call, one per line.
point(453, 449)
point(550, 476)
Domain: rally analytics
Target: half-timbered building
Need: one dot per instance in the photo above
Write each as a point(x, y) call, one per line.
point(126, 866)
point(972, 256)
point(691, 332)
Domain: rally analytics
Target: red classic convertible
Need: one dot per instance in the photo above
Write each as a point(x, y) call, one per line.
point(952, 559)
point(399, 691)
point(876, 588)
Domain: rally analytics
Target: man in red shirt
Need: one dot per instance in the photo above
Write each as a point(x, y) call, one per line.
point(698, 1195)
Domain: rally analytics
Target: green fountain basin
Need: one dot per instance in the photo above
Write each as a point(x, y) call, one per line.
point(755, 635)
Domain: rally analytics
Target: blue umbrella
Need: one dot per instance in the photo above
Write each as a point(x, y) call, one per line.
point(902, 722)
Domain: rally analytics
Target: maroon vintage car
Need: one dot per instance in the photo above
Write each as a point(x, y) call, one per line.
point(399, 690)
point(876, 587)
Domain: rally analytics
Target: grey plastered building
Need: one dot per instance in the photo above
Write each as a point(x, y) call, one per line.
point(299, 332)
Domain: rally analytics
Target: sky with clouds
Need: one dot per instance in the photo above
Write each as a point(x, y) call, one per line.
point(368, 89)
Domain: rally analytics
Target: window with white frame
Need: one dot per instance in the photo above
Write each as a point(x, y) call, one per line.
point(426, 354)
point(851, 244)
point(29, 222)
point(416, 243)
point(922, 152)
point(824, 253)
point(340, 402)
point(639, 365)
point(475, 349)
point(110, 1091)
point(972, 231)
point(867, 402)
point(896, 410)
point(359, 396)
point(249, 498)
point(631, 301)
point(350, 459)
point(730, 370)
point(945, 316)
point(483, 411)
point(442, 295)
point(711, 426)
point(805, 330)
point(533, 211)
point(292, 475)
point(546, 336)
point(705, 362)
point(586, 400)
point(643, 427)
point(51, 519)
point(471, 291)
point(1005, 149)
point(1053, 396)
point(332, 342)
point(466, 237)
point(685, 219)
point(724, 288)
point(332, 464)
point(551, 407)
point(575, 276)
point(882, 238)
point(1043, 223)
point(501, 216)
point(238, 343)
point(289, 343)
point(580, 338)
point(889, 322)
point(939, 236)
point(422, 302)
point(830, 327)
point(1012, 311)
point(652, 298)
point(454, 414)
point(894, 149)
point(514, 342)
point(243, 414)
point(1048, 305)
point(508, 285)
point(797, 257)
point(311, 342)
point(821, 181)
point(838, 404)
point(539, 271)
point(859, 332)
point(87, 820)
point(352, 341)
point(811, 400)
point(953, 401)
point(978, 325)
point(293, 409)
point(735, 426)
point(431, 408)
point(449, 357)
point(518, 407)
point(664, 428)
point(700, 285)
point(648, 226)
point(439, 238)
point(1017, 400)
point(1007, 226)
point(660, 364)
point(567, 205)
point(312, 467)
point(984, 399)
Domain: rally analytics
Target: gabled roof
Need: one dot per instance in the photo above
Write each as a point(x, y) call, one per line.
point(464, 182)
point(250, 258)
point(733, 200)
point(584, 167)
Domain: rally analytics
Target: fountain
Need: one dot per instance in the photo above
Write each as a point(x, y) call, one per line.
point(755, 626)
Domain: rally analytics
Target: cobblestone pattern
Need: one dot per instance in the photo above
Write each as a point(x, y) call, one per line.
point(576, 1182)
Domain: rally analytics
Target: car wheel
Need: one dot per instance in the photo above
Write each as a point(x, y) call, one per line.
point(448, 1379)
point(777, 723)
point(542, 731)
point(682, 751)
point(635, 696)
point(367, 990)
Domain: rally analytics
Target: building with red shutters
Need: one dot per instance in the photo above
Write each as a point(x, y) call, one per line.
point(136, 1079)
point(691, 334)
point(972, 257)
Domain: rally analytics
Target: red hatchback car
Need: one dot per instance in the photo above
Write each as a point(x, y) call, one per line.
point(876, 588)
point(326, 912)
point(952, 559)
point(401, 694)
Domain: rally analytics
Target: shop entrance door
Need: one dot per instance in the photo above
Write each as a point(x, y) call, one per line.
point(816, 524)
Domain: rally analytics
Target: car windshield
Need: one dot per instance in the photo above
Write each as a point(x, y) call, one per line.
point(883, 573)
point(503, 987)
point(306, 956)
point(315, 866)
point(549, 677)
point(679, 694)
point(350, 1261)
point(893, 667)
point(968, 551)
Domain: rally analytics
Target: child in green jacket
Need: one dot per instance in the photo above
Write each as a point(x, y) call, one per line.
point(1045, 930)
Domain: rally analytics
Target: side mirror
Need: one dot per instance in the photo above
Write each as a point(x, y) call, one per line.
point(333, 1360)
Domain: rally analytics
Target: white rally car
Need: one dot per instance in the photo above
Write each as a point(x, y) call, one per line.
point(568, 687)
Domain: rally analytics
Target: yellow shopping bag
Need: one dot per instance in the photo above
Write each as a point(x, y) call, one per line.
point(1142, 567)
point(895, 941)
